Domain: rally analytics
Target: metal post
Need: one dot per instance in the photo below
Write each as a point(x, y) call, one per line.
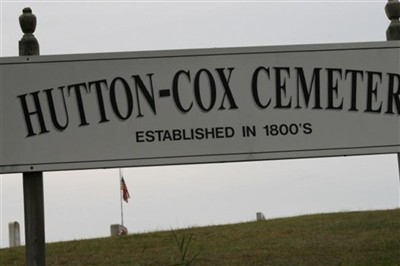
point(121, 196)
point(392, 9)
point(32, 181)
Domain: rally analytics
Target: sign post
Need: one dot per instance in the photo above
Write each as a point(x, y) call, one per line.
point(32, 181)
point(192, 106)
point(393, 32)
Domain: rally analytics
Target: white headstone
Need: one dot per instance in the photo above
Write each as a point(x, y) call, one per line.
point(118, 230)
point(14, 234)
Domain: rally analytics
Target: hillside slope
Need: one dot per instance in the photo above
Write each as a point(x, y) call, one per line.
point(356, 238)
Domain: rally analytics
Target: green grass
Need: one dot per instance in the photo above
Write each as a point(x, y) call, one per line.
point(355, 238)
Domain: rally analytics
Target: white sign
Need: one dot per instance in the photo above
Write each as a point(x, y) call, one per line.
point(198, 106)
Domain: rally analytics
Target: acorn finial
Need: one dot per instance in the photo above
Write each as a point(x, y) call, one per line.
point(28, 45)
point(392, 9)
point(27, 21)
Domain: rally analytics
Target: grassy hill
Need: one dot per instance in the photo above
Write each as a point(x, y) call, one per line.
point(356, 238)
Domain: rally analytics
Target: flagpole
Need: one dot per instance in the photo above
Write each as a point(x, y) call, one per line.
point(120, 191)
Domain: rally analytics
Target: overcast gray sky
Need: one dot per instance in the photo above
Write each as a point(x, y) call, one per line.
point(83, 204)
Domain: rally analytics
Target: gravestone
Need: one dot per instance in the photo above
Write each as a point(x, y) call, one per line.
point(260, 216)
point(14, 234)
point(118, 230)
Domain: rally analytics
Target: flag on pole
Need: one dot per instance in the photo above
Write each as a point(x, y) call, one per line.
point(125, 192)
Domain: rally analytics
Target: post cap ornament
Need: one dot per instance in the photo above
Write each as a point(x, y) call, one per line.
point(28, 45)
point(392, 9)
